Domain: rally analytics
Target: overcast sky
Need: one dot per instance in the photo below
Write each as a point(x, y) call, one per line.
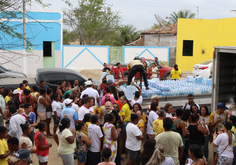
point(140, 13)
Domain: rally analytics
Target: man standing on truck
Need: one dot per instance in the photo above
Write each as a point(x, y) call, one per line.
point(187, 105)
point(134, 67)
point(118, 72)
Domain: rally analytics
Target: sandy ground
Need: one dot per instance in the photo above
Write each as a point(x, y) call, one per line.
point(94, 74)
point(54, 158)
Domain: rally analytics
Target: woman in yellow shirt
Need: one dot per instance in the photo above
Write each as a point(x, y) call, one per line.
point(87, 122)
point(7, 95)
point(176, 73)
point(158, 123)
point(137, 107)
point(141, 123)
point(125, 114)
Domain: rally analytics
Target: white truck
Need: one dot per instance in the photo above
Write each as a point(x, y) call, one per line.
point(224, 75)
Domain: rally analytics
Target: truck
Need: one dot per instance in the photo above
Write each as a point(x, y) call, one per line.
point(164, 70)
point(224, 75)
point(51, 77)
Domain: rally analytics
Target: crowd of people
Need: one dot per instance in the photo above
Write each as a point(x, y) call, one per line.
point(90, 121)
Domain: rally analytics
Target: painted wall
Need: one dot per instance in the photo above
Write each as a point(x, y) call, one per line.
point(147, 52)
point(79, 57)
point(160, 40)
point(41, 26)
point(205, 34)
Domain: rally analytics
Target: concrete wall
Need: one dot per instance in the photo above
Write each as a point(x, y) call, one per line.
point(163, 40)
point(79, 57)
point(147, 52)
point(205, 34)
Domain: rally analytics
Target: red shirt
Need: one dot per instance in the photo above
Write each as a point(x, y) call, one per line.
point(119, 103)
point(118, 73)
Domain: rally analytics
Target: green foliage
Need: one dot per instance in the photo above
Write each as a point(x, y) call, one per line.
point(92, 22)
point(125, 34)
point(181, 14)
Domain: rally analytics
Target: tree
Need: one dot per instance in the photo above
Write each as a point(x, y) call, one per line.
point(92, 22)
point(125, 34)
point(181, 14)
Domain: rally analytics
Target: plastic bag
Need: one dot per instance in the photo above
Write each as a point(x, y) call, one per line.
point(231, 105)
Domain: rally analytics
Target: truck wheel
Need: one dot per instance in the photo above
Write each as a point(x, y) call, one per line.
point(167, 77)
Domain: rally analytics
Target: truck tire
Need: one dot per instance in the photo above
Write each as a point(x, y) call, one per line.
point(167, 76)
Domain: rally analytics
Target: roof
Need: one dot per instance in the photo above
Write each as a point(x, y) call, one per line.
point(170, 29)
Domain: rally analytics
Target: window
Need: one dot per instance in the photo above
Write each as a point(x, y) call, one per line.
point(54, 78)
point(187, 48)
point(149, 63)
point(47, 49)
point(71, 78)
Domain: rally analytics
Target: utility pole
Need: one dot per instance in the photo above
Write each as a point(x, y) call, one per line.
point(24, 65)
point(24, 24)
point(197, 12)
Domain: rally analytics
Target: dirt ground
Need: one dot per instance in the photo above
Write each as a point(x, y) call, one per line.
point(94, 74)
point(54, 158)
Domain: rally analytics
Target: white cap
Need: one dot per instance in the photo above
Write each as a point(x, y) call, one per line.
point(88, 83)
point(68, 101)
point(16, 92)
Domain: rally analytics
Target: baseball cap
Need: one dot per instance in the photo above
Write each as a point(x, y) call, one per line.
point(154, 97)
point(228, 125)
point(68, 101)
point(221, 105)
point(88, 82)
point(16, 92)
point(109, 82)
point(21, 154)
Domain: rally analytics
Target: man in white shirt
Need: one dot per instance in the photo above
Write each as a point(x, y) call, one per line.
point(95, 135)
point(171, 141)
point(134, 139)
point(86, 108)
point(15, 122)
point(56, 111)
point(2, 106)
point(187, 105)
point(137, 96)
point(91, 92)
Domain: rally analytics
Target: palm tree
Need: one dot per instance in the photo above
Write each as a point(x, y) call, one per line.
point(181, 14)
point(125, 34)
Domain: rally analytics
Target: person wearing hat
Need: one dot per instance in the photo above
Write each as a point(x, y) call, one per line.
point(70, 113)
point(225, 142)
point(134, 67)
point(217, 118)
point(90, 92)
point(15, 98)
point(21, 157)
point(2, 106)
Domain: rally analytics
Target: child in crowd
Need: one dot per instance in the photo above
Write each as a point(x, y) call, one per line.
point(42, 145)
point(30, 119)
point(82, 143)
point(87, 121)
point(4, 151)
point(95, 134)
point(13, 145)
point(134, 140)
point(20, 111)
point(106, 153)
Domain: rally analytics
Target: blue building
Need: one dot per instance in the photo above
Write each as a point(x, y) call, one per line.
point(44, 31)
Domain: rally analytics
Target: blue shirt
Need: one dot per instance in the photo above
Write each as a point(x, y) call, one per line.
point(30, 119)
point(71, 114)
point(45, 87)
